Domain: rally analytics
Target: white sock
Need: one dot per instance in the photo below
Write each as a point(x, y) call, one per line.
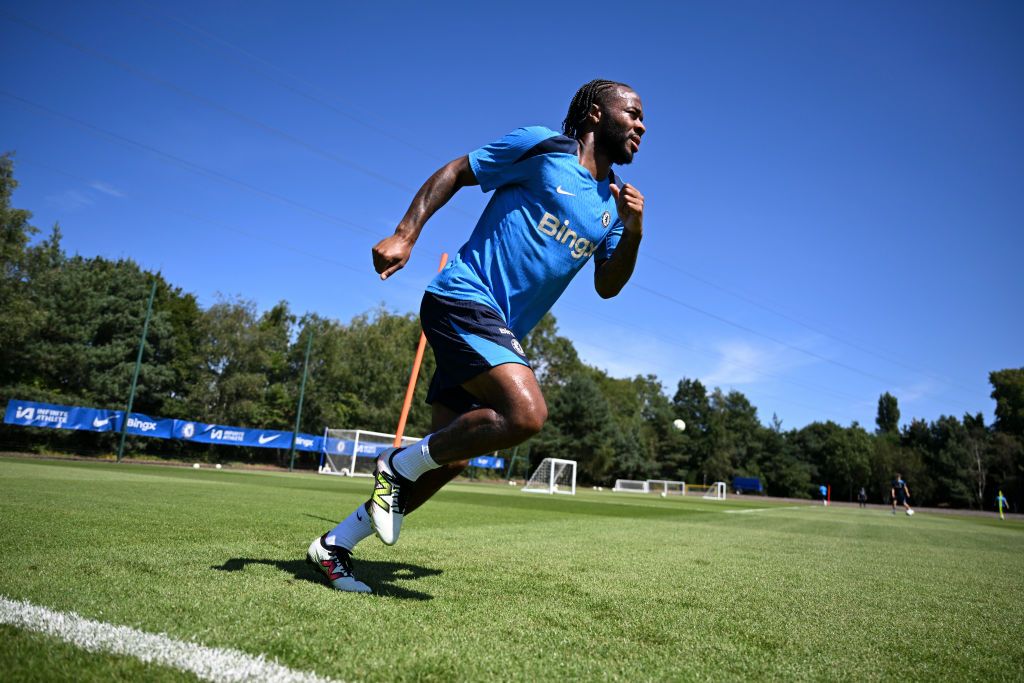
point(413, 461)
point(353, 529)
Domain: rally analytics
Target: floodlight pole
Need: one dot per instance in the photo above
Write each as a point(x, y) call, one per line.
point(135, 375)
point(302, 394)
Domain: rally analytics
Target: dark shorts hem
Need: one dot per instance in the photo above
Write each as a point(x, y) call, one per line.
point(467, 338)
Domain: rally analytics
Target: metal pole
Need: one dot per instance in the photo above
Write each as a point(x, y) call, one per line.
point(302, 394)
point(135, 375)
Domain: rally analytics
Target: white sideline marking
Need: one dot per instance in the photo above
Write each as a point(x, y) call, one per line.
point(207, 663)
point(740, 512)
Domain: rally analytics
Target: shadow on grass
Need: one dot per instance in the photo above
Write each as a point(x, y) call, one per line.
point(322, 519)
point(380, 576)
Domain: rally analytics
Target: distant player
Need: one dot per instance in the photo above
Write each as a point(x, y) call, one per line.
point(1002, 504)
point(900, 494)
point(862, 497)
point(556, 204)
point(823, 492)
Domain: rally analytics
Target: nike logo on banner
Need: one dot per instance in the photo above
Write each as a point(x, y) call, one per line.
point(267, 439)
point(96, 422)
point(559, 190)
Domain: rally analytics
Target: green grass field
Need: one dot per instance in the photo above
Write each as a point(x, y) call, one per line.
point(490, 583)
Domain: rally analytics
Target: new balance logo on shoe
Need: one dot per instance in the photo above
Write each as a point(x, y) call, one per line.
point(382, 487)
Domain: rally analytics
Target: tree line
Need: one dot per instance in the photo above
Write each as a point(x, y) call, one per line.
point(71, 332)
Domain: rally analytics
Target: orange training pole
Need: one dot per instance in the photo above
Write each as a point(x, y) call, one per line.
point(413, 375)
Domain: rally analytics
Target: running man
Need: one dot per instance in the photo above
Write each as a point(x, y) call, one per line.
point(1002, 504)
point(556, 204)
point(900, 493)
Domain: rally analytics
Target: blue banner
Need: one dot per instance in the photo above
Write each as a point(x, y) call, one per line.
point(367, 449)
point(143, 425)
point(489, 462)
point(243, 436)
point(53, 416)
point(32, 414)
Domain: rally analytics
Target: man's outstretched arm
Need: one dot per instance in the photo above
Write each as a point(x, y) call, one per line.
point(611, 275)
point(392, 253)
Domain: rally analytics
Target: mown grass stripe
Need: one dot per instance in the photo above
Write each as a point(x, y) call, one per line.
point(207, 663)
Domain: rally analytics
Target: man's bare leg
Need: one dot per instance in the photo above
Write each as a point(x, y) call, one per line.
point(432, 482)
point(514, 410)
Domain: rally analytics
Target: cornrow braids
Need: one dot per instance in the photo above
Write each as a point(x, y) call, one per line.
point(591, 92)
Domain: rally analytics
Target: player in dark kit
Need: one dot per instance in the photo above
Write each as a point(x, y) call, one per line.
point(900, 494)
point(556, 204)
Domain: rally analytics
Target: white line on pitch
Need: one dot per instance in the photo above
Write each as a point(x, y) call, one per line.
point(740, 512)
point(207, 663)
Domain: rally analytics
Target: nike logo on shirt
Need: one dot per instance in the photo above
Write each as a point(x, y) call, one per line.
point(559, 190)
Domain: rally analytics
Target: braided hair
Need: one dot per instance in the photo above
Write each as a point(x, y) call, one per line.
point(579, 108)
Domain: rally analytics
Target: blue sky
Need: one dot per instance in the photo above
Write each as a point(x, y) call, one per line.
point(835, 191)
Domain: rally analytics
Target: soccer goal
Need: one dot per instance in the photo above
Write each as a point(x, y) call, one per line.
point(667, 486)
point(714, 491)
point(553, 476)
point(352, 452)
point(632, 486)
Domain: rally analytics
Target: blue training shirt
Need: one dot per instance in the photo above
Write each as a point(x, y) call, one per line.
point(547, 217)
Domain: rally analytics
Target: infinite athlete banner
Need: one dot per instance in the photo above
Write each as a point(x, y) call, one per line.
point(53, 416)
point(243, 436)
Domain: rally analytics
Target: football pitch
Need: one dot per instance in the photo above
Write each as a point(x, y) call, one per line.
point(489, 583)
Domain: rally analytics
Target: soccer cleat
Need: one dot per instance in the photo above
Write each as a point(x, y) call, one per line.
point(336, 564)
point(387, 504)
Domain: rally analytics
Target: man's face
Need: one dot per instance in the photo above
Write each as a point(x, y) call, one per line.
point(621, 126)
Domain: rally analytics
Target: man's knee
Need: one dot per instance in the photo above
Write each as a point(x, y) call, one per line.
point(527, 421)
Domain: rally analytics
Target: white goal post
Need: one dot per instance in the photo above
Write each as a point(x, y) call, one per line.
point(632, 486)
point(667, 486)
point(553, 475)
point(714, 491)
point(353, 452)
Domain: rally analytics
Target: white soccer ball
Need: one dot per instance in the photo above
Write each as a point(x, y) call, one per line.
point(664, 495)
point(910, 513)
point(679, 424)
point(195, 466)
point(344, 471)
point(218, 466)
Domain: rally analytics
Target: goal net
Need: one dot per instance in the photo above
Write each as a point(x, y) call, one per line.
point(666, 486)
point(553, 476)
point(714, 491)
point(631, 485)
point(353, 452)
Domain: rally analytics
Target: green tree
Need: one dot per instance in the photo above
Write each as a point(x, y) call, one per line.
point(888, 418)
point(552, 356)
point(1008, 393)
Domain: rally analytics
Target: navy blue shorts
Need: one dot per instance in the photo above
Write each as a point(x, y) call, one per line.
point(467, 338)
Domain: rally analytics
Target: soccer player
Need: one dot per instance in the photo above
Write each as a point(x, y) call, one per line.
point(556, 204)
point(862, 497)
point(900, 493)
point(1002, 504)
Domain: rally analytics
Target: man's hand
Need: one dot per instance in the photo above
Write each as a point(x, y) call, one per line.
point(391, 254)
point(630, 204)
